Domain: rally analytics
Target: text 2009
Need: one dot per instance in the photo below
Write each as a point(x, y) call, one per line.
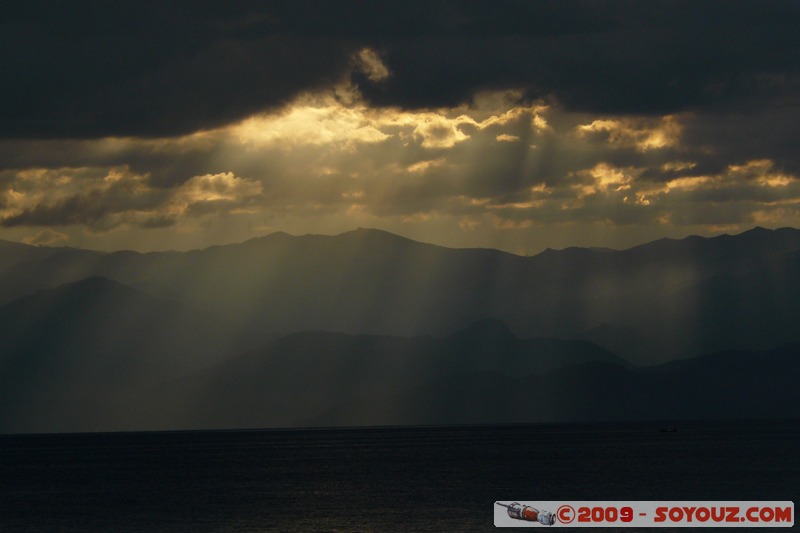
point(605, 514)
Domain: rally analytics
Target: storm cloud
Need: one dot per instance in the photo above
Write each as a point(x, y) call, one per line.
point(516, 125)
point(134, 69)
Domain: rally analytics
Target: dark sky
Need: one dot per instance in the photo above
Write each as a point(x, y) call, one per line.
point(516, 125)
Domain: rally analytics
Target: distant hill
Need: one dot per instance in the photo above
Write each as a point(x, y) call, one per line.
point(297, 377)
point(724, 385)
point(370, 327)
point(70, 355)
point(323, 379)
point(75, 365)
point(652, 303)
point(96, 355)
point(20, 265)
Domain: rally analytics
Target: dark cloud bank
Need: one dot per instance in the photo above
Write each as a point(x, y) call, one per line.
point(142, 69)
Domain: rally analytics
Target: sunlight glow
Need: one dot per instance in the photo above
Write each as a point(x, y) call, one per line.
point(641, 134)
point(214, 187)
point(603, 178)
point(329, 118)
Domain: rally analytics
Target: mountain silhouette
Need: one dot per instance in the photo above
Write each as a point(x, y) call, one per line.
point(297, 377)
point(668, 295)
point(723, 385)
point(370, 326)
point(75, 352)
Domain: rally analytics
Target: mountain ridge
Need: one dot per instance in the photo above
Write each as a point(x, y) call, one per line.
point(102, 356)
point(754, 231)
point(374, 282)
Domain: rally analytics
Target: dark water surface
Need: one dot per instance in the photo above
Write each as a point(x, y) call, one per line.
point(378, 479)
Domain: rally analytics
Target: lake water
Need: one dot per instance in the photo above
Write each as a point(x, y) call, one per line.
point(378, 479)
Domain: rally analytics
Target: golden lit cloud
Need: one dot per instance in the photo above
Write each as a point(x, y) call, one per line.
point(326, 121)
point(368, 61)
point(315, 123)
point(762, 171)
point(518, 205)
point(328, 160)
point(216, 187)
point(104, 199)
point(341, 118)
point(677, 166)
point(424, 166)
point(35, 188)
point(641, 134)
point(689, 183)
point(603, 178)
point(436, 131)
point(637, 199)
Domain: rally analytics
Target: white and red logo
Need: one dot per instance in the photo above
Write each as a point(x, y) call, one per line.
point(645, 514)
